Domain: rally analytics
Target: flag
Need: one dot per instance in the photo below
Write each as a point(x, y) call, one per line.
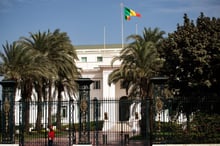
point(129, 12)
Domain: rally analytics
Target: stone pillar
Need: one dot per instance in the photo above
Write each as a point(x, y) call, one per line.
point(8, 120)
point(84, 110)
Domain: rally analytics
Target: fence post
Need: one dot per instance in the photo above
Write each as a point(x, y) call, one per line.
point(8, 119)
point(149, 121)
point(72, 132)
point(104, 138)
point(21, 122)
point(126, 139)
point(96, 114)
point(84, 110)
point(157, 84)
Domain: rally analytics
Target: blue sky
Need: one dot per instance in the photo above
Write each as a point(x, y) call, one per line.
point(85, 20)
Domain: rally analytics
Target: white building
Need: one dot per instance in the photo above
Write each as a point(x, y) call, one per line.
point(95, 61)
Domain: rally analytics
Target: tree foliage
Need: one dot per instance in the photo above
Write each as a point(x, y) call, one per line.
point(139, 62)
point(192, 58)
point(41, 61)
point(192, 54)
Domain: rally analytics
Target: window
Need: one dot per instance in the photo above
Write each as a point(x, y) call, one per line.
point(64, 111)
point(84, 59)
point(124, 106)
point(96, 84)
point(99, 59)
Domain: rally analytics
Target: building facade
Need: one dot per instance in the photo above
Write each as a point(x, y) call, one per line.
point(95, 61)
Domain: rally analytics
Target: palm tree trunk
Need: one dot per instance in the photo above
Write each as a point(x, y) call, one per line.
point(151, 120)
point(39, 108)
point(26, 115)
point(146, 122)
point(58, 117)
point(188, 122)
point(143, 118)
point(144, 108)
point(50, 104)
point(26, 95)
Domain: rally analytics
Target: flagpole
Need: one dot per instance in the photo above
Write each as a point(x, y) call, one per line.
point(104, 38)
point(122, 27)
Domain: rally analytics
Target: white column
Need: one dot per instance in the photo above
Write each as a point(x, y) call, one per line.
point(109, 107)
point(108, 91)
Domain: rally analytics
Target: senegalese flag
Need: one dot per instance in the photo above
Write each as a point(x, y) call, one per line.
point(129, 12)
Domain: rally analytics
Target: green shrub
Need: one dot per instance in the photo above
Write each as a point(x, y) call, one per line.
point(204, 128)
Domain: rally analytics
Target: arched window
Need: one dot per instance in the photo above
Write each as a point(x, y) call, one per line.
point(124, 106)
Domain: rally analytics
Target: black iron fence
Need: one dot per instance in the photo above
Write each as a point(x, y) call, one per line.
point(187, 120)
point(117, 122)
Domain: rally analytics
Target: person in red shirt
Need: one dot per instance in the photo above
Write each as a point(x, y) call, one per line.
point(51, 135)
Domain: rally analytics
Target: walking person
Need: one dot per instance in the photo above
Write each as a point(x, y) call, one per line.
point(51, 135)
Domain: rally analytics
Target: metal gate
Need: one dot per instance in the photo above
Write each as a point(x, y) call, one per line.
point(106, 122)
point(35, 135)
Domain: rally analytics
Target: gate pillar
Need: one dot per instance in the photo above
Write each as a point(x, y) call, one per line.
point(156, 82)
point(8, 120)
point(84, 110)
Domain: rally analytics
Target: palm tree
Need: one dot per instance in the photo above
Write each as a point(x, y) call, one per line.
point(57, 48)
point(10, 60)
point(139, 62)
point(66, 67)
point(39, 42)
point(23, 65)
